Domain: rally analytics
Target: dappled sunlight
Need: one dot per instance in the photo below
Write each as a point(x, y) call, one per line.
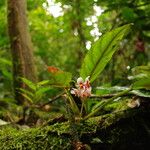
point(53, 8)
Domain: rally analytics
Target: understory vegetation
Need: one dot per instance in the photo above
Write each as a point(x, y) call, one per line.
point(74, 74)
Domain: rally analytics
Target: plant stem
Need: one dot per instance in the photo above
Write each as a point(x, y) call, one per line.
point(105, 103)
point(72, 122)
point(53, 99)
point(82, 106)
point(73, 105)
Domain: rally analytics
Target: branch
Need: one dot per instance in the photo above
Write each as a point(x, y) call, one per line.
point(53, 99)
point(102, 96)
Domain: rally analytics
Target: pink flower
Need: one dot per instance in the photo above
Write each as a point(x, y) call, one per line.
point(83, 88)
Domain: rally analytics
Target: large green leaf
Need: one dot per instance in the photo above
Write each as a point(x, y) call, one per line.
point(101, 52)
point(115, 89)
point(29, 83)
point(102, 90)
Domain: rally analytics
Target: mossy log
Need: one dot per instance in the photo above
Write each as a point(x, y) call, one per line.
point(123, 130)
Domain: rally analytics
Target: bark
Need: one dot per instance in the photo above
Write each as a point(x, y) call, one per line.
point(21, 45)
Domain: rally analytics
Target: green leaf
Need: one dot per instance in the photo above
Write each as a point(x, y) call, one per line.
point(60, 79)
point(144, 83)
point(138, 77)
point(29, 83)
point(27, 97)
point(141, 93)
point(43, 82)
point(141, 77)
point(41, 91)
point(7, 74)
point(5, 62)
point(26, 92)
point(116, 89)
point(101, 52)
point(144, 70)
point(109, 90)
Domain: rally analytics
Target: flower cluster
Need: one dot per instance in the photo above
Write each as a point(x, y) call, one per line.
point(83, 88)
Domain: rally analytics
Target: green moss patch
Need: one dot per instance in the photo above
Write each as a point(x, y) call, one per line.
point(112, 131)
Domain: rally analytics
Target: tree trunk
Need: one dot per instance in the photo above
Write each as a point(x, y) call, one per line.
point(21, 45)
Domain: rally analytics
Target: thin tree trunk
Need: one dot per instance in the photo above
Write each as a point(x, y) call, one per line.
point(21, 45)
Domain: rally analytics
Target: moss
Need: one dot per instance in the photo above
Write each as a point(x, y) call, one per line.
point(112, 131)
point(55, 137)
point(34, 139)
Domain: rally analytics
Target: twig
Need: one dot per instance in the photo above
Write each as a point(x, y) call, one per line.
point(72, 121)
point(53, 99)
point(108, 95)
point(102, 96)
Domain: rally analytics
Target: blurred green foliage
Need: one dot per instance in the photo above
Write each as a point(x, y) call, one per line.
point(57, 39)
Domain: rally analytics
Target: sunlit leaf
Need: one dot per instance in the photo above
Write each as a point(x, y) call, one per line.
point(44, 82)
point(101, 52)
point(27, 97)
point(29, 83)
point(26, 92)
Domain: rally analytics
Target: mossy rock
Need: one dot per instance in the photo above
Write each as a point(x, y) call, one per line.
point(124, 130)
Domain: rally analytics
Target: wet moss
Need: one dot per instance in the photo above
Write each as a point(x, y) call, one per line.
point(121, 130)
point(35, 139)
